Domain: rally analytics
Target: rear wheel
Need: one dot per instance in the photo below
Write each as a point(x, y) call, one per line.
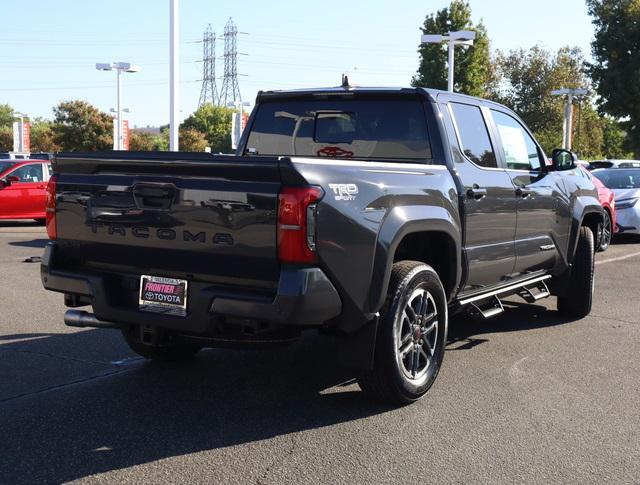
point(605, 232)
point(166, 349)
point(579, 296)
point(412, 332)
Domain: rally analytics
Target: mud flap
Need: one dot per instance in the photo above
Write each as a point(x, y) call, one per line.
point(357, 350)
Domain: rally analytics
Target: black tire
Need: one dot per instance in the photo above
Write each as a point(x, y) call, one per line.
point(168, 351)
point(605, 233)
point(579, 295)
point(390, 380)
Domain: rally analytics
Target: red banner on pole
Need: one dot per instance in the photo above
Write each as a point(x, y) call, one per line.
point(125, 134)
point(26, 137)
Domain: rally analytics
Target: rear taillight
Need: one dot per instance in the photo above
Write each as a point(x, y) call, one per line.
point(52, 229)
point(297, 208)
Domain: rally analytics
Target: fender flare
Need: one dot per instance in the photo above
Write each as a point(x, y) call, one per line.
point(582, 208)
point(398, 223)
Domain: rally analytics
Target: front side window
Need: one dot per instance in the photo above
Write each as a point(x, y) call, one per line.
point(520, 151)
point(376, 129)
point(29, 173)
point(474, 136)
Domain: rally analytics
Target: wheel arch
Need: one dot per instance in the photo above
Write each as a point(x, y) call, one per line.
point(591, 217)
point(434, 241)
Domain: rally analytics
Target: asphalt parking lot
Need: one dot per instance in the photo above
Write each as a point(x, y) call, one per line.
point(525, 397)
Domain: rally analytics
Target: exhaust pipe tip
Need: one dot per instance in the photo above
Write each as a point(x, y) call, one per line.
point(82, 319)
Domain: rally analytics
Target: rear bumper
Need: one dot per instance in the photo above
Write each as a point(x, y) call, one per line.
point(305, 296)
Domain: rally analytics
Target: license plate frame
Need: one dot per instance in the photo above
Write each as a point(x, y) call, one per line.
point(166, 296)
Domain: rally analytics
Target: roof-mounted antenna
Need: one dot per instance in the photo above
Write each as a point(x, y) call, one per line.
point(345, 81)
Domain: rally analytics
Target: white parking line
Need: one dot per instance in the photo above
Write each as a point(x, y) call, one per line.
point(619, 258)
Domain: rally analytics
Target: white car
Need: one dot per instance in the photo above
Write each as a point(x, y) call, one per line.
point(614, 164)
point(625, 183)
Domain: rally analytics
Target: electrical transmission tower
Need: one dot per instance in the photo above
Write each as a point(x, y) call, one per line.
point(230, 91)
point(209, 91)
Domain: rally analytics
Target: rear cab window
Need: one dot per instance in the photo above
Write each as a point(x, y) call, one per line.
point(360, 128)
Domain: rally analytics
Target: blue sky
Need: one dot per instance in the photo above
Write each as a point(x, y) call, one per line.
point(48, 49)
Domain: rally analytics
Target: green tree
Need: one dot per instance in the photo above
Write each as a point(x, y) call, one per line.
point(472, 67)
point(616, 67)
point(79, 126)
point(144, 141)
point(42, 136)
point(6, 116)
point(215, 123)
point(525, 81)
point(192, 140)
point(6, 139)
point(615, 140)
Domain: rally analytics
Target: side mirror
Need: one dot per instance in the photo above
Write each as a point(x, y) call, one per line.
point(6, 181)
point(563, 159)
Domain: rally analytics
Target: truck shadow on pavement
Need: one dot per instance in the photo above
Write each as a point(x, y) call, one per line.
point(34, 243)
point(135, 412)
point(131, 412)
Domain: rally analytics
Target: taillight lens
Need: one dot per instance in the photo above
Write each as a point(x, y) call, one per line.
point(52, 230)
point(296, 224)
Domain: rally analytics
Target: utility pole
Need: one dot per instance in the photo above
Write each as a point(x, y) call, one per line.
point(174, 75)
point(567, 125)
point(461, 37)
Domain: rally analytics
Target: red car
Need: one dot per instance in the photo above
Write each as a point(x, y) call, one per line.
point(607, 200)
point(23, 188)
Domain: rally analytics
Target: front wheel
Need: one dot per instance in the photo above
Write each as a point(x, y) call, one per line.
point(577, 301)
point(412, 332)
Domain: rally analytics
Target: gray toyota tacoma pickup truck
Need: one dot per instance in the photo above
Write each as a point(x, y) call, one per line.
point(372, 214)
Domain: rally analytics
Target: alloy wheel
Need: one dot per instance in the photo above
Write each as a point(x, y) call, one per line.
point(416, 335)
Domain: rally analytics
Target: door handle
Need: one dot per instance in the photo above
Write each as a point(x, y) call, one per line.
point(524, 192)
point(476, 192)
point(154, 196)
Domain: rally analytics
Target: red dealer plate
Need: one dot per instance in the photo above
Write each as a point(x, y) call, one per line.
point(163, 295)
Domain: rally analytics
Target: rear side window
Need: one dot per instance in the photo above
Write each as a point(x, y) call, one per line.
point(474, 135)
point(377, 129)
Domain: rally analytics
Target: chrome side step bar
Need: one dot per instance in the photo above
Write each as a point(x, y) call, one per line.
point(488, 310)
point(505, 289)
point(534, 293)
point(489, 305)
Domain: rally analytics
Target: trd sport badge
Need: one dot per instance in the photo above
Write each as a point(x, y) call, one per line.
point(344, 191)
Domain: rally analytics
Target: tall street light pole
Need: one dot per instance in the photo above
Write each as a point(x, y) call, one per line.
point(567, 125)
point(174, 75)
point(119, 67)
point(460, 37)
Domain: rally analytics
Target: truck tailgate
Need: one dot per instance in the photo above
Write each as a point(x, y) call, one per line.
point(208, 218)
